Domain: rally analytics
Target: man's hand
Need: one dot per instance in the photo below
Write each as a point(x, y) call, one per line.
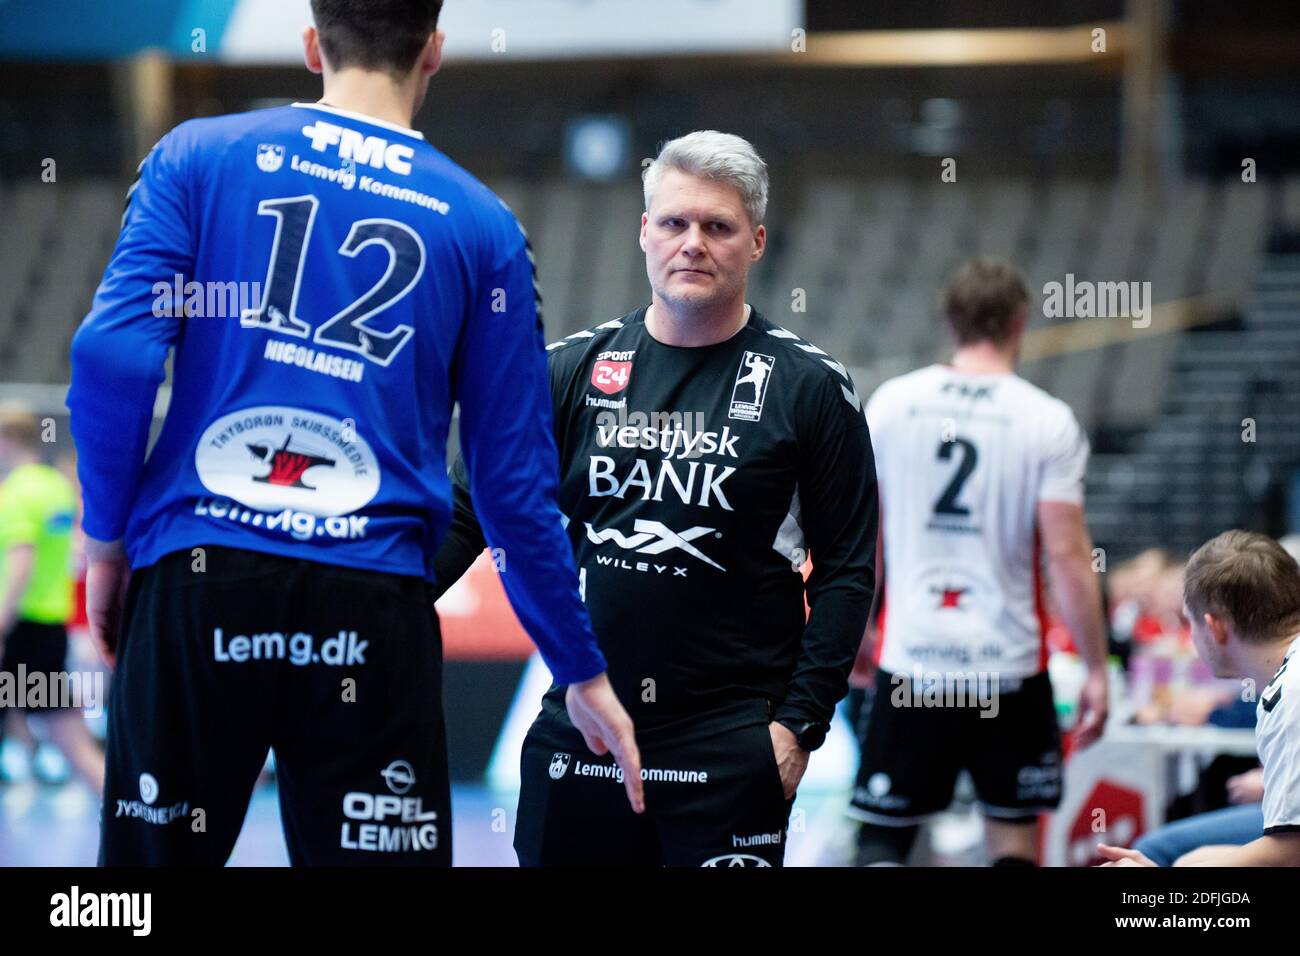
point(1093, 708)
point(791, 759)
point(1246, 787)
point(1118, 856)
point(106, 580)
point(606, 727)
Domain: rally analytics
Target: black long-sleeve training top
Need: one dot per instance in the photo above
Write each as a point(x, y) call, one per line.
point(695, 482)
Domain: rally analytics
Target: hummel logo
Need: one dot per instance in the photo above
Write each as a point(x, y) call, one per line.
point(644, 541)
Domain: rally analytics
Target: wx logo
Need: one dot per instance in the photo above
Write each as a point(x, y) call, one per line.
point(654, 537)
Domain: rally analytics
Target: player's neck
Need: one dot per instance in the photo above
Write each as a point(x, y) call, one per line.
point(1260, 664)
point(984, 358)
point(375, 95)
point(694, 329)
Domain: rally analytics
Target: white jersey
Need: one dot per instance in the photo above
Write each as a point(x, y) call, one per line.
point(1277, 735)
point(963, 460)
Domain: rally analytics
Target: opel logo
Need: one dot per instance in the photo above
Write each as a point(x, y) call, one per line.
point(735, 859)
point(399, 776)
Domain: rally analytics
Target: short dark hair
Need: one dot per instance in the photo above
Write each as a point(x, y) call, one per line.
point(380, 35)
point(1249, 579)
point(982, 298)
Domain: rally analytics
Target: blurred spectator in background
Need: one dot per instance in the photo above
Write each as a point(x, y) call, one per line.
point(37, 513)
point(1129, 589)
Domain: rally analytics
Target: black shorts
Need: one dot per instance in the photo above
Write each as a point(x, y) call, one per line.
point(338, 670)
point(710, 802)
point(32, 648)
point(912, 753)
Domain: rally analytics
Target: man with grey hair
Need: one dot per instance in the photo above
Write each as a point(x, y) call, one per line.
point(704, 454)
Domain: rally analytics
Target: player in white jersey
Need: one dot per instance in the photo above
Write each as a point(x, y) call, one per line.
point(981, 483)
point(1241, 594)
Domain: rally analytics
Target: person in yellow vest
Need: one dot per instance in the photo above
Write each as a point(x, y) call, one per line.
point(37, 512)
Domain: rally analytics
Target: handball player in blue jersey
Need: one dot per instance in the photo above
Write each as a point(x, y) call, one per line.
point(261, 577)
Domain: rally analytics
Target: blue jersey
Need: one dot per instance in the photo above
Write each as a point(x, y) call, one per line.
point(331, 284)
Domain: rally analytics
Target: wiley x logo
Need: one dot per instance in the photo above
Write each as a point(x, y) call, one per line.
point(644, 541)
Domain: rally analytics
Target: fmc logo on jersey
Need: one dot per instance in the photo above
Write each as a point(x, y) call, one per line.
point(371, 150)
point(271, 457)
point(975, 393)
point(612, 371)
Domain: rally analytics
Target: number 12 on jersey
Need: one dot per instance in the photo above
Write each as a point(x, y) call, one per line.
point(346, 329)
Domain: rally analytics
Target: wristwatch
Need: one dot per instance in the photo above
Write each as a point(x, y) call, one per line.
point(809, 735)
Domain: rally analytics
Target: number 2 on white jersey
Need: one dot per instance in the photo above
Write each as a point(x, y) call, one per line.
point(947, 503)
